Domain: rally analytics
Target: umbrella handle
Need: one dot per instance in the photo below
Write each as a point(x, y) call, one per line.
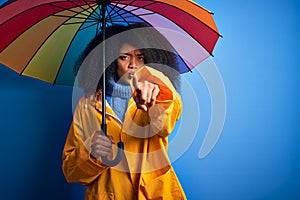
point(117, 159)
point(120, 153)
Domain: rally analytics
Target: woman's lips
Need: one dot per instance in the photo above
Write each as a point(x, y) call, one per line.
point(130, 74)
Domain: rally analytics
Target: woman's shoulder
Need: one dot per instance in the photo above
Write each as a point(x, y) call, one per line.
point(86, 101)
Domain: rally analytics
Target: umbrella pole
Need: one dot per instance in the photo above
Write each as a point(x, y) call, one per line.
point(120, 153)
point(103, 27)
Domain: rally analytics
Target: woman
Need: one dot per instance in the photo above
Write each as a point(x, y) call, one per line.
point(142, 109)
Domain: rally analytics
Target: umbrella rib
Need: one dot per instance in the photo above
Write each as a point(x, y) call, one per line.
point(92, 17)
point(80, 28)
point(122, 7)
point(112, 9)
point(83, 9)
point(86, 3)
point(136, 8)
point(73, 17)
point(144, 14)
point(116, 15)
point(97, 15)
point(122, 11)
point(74, 23)
point(184, 61)
point(69, 9)
point(126, 21)
point(130, 3)
point(74, 3)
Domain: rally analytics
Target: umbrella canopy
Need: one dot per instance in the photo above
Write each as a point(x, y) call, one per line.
point(43, 38)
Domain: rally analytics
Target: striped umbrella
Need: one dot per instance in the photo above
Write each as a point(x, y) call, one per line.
point(41, 38)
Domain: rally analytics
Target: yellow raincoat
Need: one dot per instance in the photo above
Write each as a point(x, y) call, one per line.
point(145, 171)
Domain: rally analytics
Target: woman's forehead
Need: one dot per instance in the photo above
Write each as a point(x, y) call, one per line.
point(127, 48)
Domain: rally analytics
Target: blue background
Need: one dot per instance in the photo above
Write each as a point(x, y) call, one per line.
point(257, 155)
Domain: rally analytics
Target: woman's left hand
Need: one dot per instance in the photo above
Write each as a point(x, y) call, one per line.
point(146, 93)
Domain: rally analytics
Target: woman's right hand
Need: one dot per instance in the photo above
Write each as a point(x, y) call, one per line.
point(146, 93)
point(101, 145)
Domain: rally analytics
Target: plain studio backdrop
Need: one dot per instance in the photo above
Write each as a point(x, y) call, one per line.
point(257, 154)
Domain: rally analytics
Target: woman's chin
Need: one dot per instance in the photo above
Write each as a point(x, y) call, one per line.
point(124, 81)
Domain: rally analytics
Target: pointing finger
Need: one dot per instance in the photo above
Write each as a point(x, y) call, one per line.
point(135, 82)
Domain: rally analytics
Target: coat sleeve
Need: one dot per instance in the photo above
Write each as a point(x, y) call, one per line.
point(163, 116)
point(77, 164)
point(166, 111)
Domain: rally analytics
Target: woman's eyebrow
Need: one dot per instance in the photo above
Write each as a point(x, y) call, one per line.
point(130, 54)
point(126, 53)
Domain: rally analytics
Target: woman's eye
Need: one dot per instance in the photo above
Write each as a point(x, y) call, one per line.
point(122, 57)
point(141, 58)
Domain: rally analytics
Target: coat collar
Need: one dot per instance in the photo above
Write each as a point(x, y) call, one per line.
point(109, 110)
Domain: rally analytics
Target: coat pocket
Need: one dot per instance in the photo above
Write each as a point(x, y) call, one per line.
point(166, 186)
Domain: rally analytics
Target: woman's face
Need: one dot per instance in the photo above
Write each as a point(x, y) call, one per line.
point(129, 60)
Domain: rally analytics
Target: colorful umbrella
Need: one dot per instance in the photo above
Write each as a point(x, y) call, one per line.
point(43, 38)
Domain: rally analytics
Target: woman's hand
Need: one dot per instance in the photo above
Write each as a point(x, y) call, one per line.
point(146, 93)
point(101, 145)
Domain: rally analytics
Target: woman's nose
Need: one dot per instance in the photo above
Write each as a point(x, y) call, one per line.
point(133, 63)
